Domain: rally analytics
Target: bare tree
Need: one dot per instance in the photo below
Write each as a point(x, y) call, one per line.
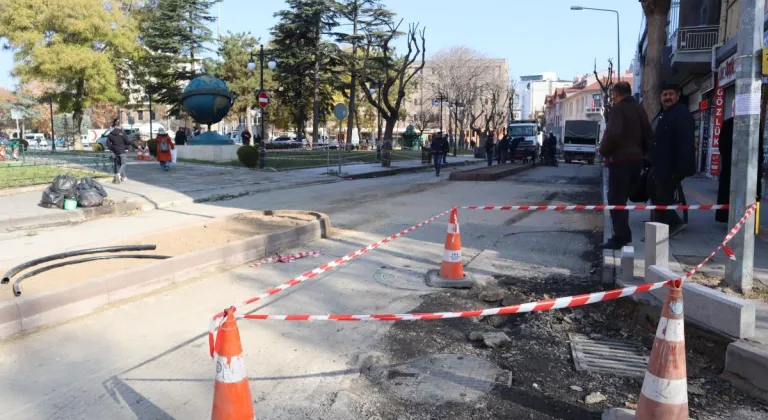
point(495, 104)
point(395, 71)
point(425, 116)
point(656, 12)
point(513, 83)
point(605, 87)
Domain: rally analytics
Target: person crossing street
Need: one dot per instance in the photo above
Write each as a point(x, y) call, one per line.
point(438, 147)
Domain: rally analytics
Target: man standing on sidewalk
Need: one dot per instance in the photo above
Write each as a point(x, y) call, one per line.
point(438, 150)
point(673, 156)
point(118, 143)
point(624, 145)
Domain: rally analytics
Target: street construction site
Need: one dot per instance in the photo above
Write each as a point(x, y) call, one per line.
point(405, 297)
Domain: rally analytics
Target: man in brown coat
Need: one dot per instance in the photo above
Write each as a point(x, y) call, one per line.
point(625, 144)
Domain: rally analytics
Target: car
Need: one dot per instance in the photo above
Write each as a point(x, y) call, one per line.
point(101, 142)
point(288, 140)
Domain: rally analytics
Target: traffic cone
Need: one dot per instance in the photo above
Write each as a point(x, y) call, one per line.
point(451, 272)
point(665, 387)
point(147, 155)
point(139, 153)
point(231, 392)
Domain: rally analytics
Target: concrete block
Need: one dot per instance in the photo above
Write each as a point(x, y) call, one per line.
point(627, 273)
point(707, 307)
point(276, 241)
point(246, 250)
point(312, 231)
point(10, 320)
point(127, 284)
point(748, 362)
point(50, 308)
point(656, 245)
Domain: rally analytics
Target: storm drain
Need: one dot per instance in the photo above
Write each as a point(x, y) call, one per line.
point(615, 357)
point(402, 279)
point(442, 378)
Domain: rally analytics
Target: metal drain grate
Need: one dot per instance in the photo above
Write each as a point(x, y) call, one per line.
point(615, 357)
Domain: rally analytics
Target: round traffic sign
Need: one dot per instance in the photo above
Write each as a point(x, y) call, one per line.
point(340, 111)
point(263, 99)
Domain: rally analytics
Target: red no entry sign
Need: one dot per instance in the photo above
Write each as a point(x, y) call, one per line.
point(263, 99)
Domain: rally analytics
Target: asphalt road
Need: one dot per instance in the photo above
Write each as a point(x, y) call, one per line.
point(147, 359)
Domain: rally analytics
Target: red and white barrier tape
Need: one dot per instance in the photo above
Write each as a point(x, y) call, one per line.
point(313, 273)
point(287, 258)
point(543, 305)
point(600, 207)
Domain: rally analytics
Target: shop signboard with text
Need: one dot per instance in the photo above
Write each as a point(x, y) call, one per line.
point(726, 73)
point(717, 125)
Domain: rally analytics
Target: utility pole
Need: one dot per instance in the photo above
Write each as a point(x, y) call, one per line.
point(739, 273)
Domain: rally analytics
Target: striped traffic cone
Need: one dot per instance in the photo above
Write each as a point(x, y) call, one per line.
point(665, 387)
point(231, 392)
point(451, 272)
point(147, 155)
point(139, 153)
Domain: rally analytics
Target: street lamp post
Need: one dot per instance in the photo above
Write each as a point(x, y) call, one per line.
point(272, 64)
point(618, 33)
point(53, 134)
point(456, 107)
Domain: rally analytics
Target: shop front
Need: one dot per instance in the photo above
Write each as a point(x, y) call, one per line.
point(722, 109)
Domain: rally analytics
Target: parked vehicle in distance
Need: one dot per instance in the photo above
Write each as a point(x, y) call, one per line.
point(530, 139)
point(101, 142)
point(36, 140)
point(288, 140)
point(580, 141)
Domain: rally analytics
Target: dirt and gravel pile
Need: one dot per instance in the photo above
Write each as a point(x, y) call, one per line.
point(532, 372)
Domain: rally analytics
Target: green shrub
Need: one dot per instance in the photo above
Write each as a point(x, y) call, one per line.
point(248, 156)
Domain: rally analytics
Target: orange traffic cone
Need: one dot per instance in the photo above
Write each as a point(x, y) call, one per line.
point(665, 387)
point(139, 153)
point(451, 272)
point(147, 155)
point(231, 392)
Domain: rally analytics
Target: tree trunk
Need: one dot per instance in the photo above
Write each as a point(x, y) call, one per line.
point(353, 80)
point(389, 127)
point(656, 12)
point(249, 121)
point(77, 114)
point(316, 100)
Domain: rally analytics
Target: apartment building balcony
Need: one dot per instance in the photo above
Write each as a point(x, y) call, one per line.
point(692, 48)
point(592, 110)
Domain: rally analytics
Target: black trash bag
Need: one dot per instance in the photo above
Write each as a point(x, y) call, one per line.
point(87, 183)
point(52, 199)
point(65, 184)
point(89, 198)
point(640, 194)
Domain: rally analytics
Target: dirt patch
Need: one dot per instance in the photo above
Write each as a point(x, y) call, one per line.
point(172, 242)
point(759, 290)
point(541, 380)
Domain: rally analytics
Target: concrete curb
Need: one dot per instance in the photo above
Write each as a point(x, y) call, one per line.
point(398, 171)
point(31, 312)
point(483, 174)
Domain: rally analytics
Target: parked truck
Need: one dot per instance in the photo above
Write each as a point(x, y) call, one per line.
point(580, 141)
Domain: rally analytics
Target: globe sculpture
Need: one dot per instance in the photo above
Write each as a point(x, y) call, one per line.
point(207, 100)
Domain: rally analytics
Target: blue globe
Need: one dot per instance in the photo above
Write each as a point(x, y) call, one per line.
point(207, 99)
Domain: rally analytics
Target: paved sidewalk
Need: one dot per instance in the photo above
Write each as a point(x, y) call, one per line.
point(150, 188)
point(702, 235)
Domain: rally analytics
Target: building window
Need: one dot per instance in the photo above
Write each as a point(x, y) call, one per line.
point(140, 115)
point(596, 100)
point(416, 101)
point(152, 115)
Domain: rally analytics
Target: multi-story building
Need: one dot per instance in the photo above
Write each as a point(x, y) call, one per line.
point(583, 100)
point(424, 97)
point(535, 89)
point(700, 57)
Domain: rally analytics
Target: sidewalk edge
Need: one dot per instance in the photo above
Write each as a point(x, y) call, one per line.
point(30, 313)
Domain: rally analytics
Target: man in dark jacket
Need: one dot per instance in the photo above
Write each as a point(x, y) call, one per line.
point(438, 149)
point(673, 156)
point(489, 146)
point(246, 137)
point(446, 149)
point(624, 146)
point(504, 148)
point(181, 137)
point(118, 143)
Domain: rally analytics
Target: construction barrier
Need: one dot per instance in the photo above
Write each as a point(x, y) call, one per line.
point(601, 207)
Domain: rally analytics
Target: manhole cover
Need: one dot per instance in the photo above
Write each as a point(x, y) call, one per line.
point(615, 357)
point(402, 279)
point(442, 378)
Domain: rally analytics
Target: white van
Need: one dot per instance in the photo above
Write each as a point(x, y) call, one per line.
point(36, 139)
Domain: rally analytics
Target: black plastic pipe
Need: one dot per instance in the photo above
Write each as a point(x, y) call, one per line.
point(122, 248)
point(17, 283)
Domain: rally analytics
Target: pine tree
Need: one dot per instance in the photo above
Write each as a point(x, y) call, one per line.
point(174, 34)
point(307, 65)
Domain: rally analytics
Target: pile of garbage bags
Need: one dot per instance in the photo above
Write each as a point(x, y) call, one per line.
point(86, 191)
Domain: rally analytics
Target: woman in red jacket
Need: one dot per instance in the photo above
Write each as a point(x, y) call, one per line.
point(164, 147)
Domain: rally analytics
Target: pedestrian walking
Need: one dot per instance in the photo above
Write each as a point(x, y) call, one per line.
point(489, 146)
point(118, 143)
point(446, 149)
point(673, 156)
point(438, 150)
point(625, 144)
point(181, 137)
point(246, 137)
point(164, 149)
point(504, 148)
